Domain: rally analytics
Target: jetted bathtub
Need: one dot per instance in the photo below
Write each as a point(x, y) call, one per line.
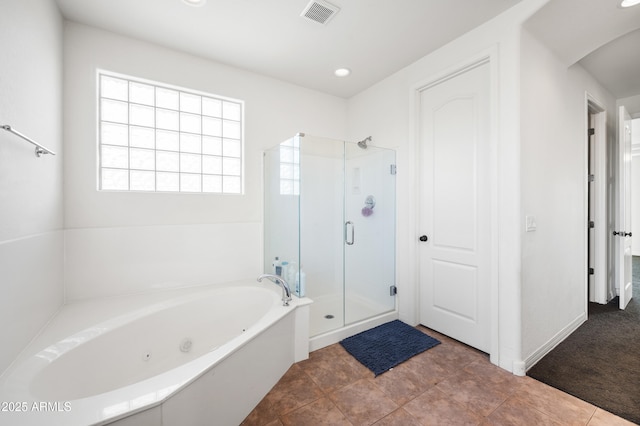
point(192, 356)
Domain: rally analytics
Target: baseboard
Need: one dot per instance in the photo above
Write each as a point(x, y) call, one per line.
point(555, 341)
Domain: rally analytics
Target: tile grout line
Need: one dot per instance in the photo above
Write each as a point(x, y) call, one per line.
point(591, 417)
point(325, 394)
point(496, 409)
point(477, 373)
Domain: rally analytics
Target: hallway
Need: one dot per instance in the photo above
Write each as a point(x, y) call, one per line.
point(599, 362)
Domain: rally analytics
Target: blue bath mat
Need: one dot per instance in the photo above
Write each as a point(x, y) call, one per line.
point(387, 345)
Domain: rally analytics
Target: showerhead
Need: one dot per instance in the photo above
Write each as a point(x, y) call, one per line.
point(363, 143)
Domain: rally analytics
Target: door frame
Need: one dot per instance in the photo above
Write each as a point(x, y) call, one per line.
point(489, 56)
point(599, 290)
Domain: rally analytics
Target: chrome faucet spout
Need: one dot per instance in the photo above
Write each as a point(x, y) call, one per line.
point(278, 280)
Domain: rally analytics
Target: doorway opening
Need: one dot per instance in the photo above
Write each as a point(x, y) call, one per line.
point(596, 200)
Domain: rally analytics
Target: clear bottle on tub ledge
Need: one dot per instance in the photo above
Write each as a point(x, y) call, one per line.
point(277, 266)
point(292, 270)
point(301, 283)
point(284, 272)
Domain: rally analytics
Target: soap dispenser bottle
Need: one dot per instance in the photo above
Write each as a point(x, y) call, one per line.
point(277, 266)
point(291, 272)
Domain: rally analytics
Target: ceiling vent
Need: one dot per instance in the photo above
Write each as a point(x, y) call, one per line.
point(319, 11)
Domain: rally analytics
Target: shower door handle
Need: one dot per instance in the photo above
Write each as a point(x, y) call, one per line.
point(346, 233)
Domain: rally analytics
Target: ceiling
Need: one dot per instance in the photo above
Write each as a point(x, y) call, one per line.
point(617, 64)
point(602, 37)
point(374, 38)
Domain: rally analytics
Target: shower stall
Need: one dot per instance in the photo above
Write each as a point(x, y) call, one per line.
point(329, 228)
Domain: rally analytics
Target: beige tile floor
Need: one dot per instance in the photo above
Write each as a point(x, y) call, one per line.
point(450, 384)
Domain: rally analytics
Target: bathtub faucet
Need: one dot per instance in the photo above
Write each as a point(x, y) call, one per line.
point(286, 290)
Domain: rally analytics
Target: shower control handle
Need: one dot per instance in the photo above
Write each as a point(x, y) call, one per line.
point(346, 233)
point(424, 238)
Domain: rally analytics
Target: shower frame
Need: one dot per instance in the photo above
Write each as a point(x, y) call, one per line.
point(330, 207)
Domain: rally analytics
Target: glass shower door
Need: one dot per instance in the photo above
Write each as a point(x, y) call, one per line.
point(330, 216)
point(369, 232)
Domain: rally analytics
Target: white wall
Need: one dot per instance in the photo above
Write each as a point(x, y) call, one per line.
point(635, 186)
point(635, 205)
point(224, 231)
point(554, 171)
point(31, 237)
point(385, 112)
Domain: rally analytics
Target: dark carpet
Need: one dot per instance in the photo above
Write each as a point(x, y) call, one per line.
point(387, 345)
point(600, 362)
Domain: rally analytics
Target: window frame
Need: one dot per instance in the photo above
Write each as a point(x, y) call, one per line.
point(179, 133)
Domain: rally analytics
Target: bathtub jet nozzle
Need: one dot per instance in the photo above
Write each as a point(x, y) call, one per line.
point(278, 280)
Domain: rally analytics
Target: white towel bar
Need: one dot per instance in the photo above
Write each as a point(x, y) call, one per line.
point(39, 148)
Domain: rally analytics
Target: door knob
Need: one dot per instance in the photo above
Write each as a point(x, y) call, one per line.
point(424, 238)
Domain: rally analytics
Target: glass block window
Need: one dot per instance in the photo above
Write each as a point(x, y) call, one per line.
point(158, 138)
point(290, 167)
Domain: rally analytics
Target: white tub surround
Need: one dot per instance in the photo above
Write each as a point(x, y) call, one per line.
point(114, 261)
point(31, 188)
point(186, 356)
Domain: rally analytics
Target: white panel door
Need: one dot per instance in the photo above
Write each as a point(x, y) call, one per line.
point(623, 234)
point(454, 216)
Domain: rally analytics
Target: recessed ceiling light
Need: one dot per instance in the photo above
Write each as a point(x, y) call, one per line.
point(342, 72)
point(629, 3)
point(196, 3)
